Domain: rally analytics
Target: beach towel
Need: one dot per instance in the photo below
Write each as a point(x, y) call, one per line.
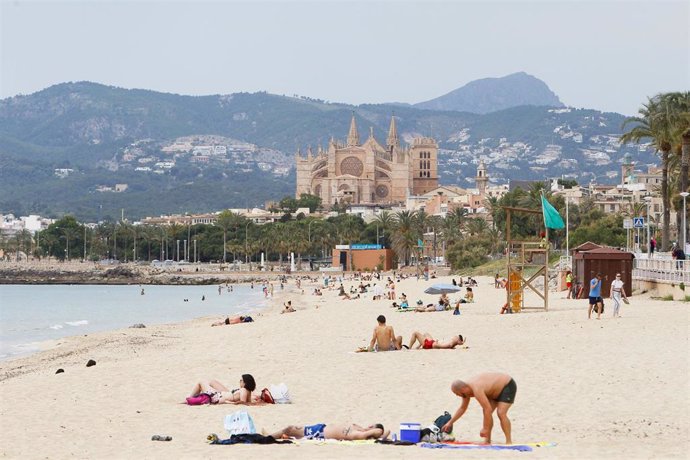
point(253, 438)
point(443, 445)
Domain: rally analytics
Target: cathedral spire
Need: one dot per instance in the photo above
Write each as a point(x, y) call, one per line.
point(353, 135)
point(393, 134)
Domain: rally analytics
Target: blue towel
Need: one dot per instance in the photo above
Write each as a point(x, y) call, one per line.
point(520, 448)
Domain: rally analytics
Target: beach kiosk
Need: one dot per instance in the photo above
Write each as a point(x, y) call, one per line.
point(607, 261)
point(362, 257)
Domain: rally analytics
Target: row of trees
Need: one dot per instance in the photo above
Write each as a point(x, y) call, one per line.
point(665, 122)
point(466, 240)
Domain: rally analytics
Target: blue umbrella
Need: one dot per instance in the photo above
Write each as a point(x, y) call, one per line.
point(442, 289)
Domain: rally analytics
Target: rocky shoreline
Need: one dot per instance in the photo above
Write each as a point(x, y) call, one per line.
point(121, 275)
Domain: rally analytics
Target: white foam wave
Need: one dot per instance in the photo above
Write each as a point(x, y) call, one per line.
point(56, 326)
point(83, 322)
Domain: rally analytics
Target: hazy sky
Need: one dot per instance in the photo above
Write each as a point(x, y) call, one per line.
point(607, 55)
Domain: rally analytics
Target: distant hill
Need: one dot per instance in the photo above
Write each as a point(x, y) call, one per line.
point(494, 94)
point(63, 149)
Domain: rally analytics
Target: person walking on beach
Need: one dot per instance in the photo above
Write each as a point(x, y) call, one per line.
point(384, 338)
point(617, 293)
point(494, 392)
point(595, 296)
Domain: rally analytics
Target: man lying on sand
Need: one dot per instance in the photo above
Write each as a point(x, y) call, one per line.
point(340, 432)
point(234, 320)
point(493, 391)
point(384, 338)
point(427, 342)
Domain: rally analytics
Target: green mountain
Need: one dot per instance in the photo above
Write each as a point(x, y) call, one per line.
point(64, 149)
point(494, 94)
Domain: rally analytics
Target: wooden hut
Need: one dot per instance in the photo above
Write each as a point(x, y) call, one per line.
point(608, 262)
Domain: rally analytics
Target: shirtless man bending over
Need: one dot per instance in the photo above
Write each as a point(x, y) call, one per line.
point(427, 342)
point(384, 338)
point(493, 391)
point(340, 432)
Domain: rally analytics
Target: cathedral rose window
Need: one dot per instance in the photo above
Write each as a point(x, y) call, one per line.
point(381, 191)
point(352, 166)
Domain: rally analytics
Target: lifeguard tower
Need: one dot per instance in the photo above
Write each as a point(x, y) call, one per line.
point(523, 256)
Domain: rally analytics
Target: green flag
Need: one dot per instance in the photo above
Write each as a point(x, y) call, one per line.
point(420, 243)
point(551, 217)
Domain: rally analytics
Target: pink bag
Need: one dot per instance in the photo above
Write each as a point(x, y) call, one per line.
point(199, 400)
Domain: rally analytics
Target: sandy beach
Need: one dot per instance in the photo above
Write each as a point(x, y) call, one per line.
point(614, 388)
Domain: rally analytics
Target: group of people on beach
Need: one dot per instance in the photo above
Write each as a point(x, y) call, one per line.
point(616, 293)
point(493, 391)
point(384, 339)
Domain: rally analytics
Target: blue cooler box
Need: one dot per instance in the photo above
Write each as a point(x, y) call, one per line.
point(410, 432)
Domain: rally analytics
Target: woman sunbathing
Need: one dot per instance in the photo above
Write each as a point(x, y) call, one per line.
point(220, 394)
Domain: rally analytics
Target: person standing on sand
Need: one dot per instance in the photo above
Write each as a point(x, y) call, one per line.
point(384, 338)
point(595, 296)
point(494, 392)
point(617, 291)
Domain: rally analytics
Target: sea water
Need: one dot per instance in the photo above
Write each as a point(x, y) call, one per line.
point(31, 314)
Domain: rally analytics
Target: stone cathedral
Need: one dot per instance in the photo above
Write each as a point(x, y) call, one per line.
point(369, 173)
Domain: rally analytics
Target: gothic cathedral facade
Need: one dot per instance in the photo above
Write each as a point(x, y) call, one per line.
point(369, 173)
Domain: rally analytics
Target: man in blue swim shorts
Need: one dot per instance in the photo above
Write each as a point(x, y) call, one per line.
point(595, 296)
point(314, 431)
point(333, 431)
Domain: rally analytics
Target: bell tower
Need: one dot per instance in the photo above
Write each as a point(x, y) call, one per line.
point(482, 178)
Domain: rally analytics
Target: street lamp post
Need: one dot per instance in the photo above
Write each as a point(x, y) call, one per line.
point(309, 231)
point(648, 199)
point(685, 212)
point(178, 250)
point(246, 242)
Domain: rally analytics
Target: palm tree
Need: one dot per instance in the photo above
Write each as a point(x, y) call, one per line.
point(348, 231)
point(385, 221)
point(69, 233)
point(494, 208)
point(226, 220)
point(405, 235)
point(655, 122)
point(477, 226)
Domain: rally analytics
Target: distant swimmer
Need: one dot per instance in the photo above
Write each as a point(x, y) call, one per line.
point(142, 291)
point(220, 289)
point(203, 297)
